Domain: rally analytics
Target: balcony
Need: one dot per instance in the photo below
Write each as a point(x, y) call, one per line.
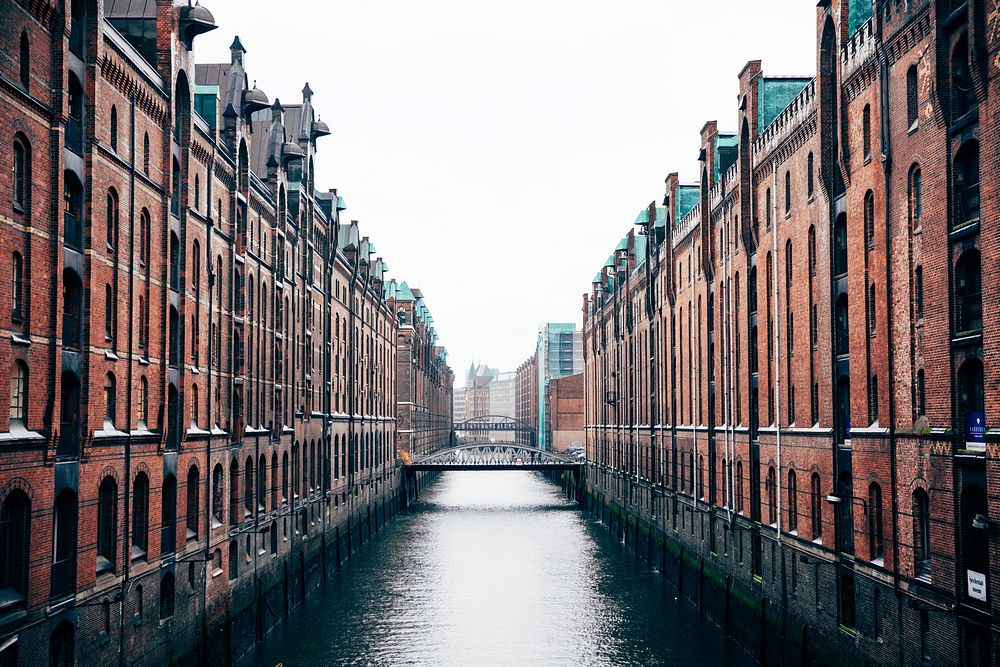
point(74, 135)
point(72, 231)
point(71, 332)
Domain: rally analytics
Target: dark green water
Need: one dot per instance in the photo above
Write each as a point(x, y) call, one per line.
point(496, 568)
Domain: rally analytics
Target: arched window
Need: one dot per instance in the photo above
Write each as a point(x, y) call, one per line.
point(114, 128)
point(140, 515)
point(872, 311)
point(810, 179)
point(194, 405)
point(109, 313)
point(921, 534)
point(918, 292)
point(772, 496)
point(21, 172)
point(866, 132)
point(963, 94)
point(111, 230)
point(25, 60)
point(141, 401)
point(19, 393)
point(968, 293)
point(921, 394)
point(870, 219)
point(966, 175)
point(843, 330)
point(217, 492)
point(175, 189)
point(788, 192)
point(916, 196)
point(64, 540)
point(873, 399)
point(17, 305)
point(145, 153)
point(109, 399)
point(876, 537)
point(166, 595)
point(284, 477)
point(767, 205)
point(15, 538)
point(840, 245)
point(969, 389)
point(197, 191)
point(788, 264)
point(193, 500)
point(261, 482)
point(812, 250)
point(107, 525)
point(248, 486)
point(274, 481)
point(816, 506)
point(911, 96)
point(62, 652)
point(793, 501)
point(168, 512)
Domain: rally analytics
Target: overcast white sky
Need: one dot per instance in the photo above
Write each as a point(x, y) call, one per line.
point(495, 151)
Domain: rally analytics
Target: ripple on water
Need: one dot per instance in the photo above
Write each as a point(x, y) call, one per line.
point(495, 568)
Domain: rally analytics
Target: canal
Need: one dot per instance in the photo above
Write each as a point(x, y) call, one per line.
point(496, 568)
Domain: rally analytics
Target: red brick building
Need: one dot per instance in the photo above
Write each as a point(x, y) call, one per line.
point(566, 407)
point(202, 357)
point(789, 363)
point(526, 400)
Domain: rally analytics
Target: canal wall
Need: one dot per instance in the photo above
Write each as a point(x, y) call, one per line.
point(784, 615)
point(276, 573)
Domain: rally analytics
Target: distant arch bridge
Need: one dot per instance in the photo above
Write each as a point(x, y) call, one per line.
point(493, 456)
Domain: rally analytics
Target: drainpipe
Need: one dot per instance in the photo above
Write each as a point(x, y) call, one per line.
point(890, 369)
point(693, 390)
point(777, 347)
point(208, 401)
point(128, 388)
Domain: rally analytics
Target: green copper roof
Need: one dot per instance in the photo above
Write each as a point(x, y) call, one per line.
point(597, 278)
point(403, 292)
point(858, 12)
point(687, 198)
point(775, 95)
point(340, 203)
point(726, 147)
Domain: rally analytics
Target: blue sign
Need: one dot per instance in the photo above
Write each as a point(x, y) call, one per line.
point(975, 431)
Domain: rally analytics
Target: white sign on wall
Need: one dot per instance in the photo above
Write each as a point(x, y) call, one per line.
point(977, 585)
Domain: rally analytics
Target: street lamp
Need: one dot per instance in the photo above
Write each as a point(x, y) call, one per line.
point(835, 499)
point(981, 522)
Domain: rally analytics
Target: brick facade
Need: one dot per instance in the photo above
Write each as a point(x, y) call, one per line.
point(788, 357)
point(202, 353)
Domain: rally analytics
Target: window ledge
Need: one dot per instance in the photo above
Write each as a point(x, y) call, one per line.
point(17, 339)
point(18, 432)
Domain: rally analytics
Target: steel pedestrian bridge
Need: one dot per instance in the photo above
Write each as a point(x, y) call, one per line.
point(493, 456)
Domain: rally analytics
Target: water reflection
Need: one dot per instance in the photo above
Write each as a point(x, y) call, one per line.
point(496, 568)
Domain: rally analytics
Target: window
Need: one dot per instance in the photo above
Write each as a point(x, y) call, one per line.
point(966, 175)
point(194, 405)
point(918, 292)
point(843, 330)
point(168, 515)
point(911, 96)
point(876, 538)
point(814, 326)
point(114, 128)
point(866, 132)
point(810, 178)
point(284, 477)
point(109, 400)
point(788, 193)
point(107, 525)
point(873, 400)
point(61, 646)
point(847, 608)
point(15, 537)
point(968, 293)
point(870, 219)
point(234, 559)
point(19, 393)
point(140, 407)
point(25, 60)
point(840, 245)
point(21, 171)
point(793, 501)
point(65, 544)
point(144, 239)
point(872, 314)
point(921, 534)
point(111, 229)
point(963, 94)
point(767, 204)
point(145, 154)
point(234, 492)
point(109, 313)
point(921, 394)
point(166, 596)
point(193, 499)
point(916, 197)
point(772, 499)
point(197, 191)
point(140, 515)
point(17, 305)
point(217, 495)
point(816, 506)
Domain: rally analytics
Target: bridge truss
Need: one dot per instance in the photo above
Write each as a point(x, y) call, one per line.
point(494, 456)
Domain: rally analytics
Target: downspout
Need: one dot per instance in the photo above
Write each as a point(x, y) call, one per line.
point(777, 347)
point(890, 369)
point(208, 401)
point(126, 561)
point(693, 391)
